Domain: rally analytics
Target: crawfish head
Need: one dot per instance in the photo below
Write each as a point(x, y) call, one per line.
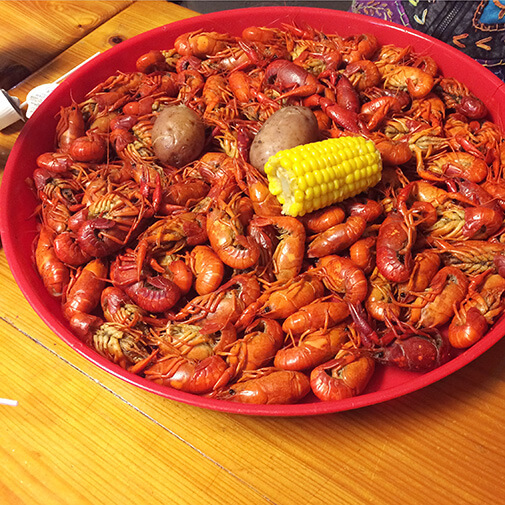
point(100, 237)
point(499, 263)
point(415, 353)
point(472, 107)
point(287, 75)
point(154, 294)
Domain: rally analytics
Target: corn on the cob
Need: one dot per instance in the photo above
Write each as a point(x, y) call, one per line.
point(311, 176)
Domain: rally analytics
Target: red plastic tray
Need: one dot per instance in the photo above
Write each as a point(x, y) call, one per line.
point(18, 226)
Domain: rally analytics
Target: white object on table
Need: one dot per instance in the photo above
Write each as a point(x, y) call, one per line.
point(11, 108)
point(38, 94)
point(6, 401)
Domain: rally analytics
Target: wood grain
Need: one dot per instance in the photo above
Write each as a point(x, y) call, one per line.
point(53, 27)
point(83, 436)
point(101, 445)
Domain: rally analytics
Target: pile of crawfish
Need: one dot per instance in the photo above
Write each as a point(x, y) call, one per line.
point(191, 276)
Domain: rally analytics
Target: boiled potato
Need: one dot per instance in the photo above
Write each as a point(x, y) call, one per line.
point(284, 129)
point(178, 135)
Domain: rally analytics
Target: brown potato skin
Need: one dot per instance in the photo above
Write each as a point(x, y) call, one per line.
point(286, 128)
point(178, 136)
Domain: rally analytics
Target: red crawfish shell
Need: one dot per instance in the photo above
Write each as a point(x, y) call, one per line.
point(416, 353)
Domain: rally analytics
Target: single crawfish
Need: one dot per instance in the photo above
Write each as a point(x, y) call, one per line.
point(185, 193)
point(455, 164)
point(84, 291)
point(321, 220)
point(117, 307)
point(430, 108)
point(426, 265)
point(370, 210)
point(417, 82)
point(324, 312)
point(70, 126)
point(457, 96)
point(415, 352)
point(287, 257)
point(202, 44)
point(363, 74)
point(478, 311)
point(286, 75)
point(344, 376)
point(390, 54)
point(153, 291)
point(341, 275)
point(266, 238)
point(207, 268)
point(482, 222)
point(120, 344)
point(362, 253)
point(55, 162)
point(261, 34)
point(337, 238)
point(54, 273)
point(279, 302)
point(151, 61)
point(374, 113)
point(55, 215)
point(393, 152)
point(192, 376)
point(381, 302)
point(267, 386)
point(225, 305)
point(215, 93)
point(436, 306)
point(192, 342)
point(174, 232)
point(100, 237)
point(227, 238)
point(357, 47)
point(470, 256)
point(89, 148)
point(394, 248)
point(56, 187)
point(264, 203)
point(257, 348)
point(313, 348)
point(68, 250)
point(322, 62)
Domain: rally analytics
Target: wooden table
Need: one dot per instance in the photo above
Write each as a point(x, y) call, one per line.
point(81, 436)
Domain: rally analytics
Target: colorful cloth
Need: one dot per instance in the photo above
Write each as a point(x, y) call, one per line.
point(476, 28)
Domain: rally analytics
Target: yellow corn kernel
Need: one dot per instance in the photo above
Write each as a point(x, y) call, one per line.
point(311, 176)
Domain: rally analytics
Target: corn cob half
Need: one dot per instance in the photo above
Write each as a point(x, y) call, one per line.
point(309, 177)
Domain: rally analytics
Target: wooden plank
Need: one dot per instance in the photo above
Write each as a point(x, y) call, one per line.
point(70, 441)
point(53, 27)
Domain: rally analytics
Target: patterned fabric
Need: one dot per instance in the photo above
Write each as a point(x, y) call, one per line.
point(475, 27)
